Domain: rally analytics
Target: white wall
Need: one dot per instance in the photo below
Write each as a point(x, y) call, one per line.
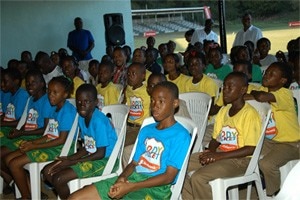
point(44, 25)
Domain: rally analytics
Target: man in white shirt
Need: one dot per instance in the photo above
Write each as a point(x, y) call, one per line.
point(248, 33)
point(205, 33)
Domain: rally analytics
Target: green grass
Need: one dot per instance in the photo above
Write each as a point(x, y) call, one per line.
point(277, 31)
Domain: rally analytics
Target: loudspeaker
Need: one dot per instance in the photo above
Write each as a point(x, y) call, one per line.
point(114, 30)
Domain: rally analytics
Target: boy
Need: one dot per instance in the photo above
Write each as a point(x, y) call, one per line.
point(93, 71)
point(140, 181)
point(233, 141)
point(137, 99)
point(98, 137)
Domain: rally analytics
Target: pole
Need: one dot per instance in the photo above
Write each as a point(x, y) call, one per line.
point(221, 6)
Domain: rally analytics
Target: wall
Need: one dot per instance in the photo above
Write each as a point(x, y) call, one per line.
point(44, 25)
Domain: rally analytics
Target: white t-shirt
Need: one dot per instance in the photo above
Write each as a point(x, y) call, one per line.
point(200, 35)
point(252, 34)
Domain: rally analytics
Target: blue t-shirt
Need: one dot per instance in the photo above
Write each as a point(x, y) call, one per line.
point(5, 99)
point(99, 133)
point(80, 39)
point(38, 111)
point(158, 149)
point(62, 120)
point(17, 104)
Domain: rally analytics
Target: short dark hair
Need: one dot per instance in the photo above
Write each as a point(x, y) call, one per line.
point(243, 77)
point(87, 87)
point(141, 66)
point(36, 74)
point(158, 75)
point(109, 64)
point(286, 71)
point(13, 73)
point(67, 83)
point(171, 87)
point(261, 40)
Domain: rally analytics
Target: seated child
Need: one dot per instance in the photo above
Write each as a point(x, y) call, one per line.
point(228, 154)
point(49, 146)
point(171, 67)
point(11, 82)
point(108, 92)
point(137, 99)
point(38, 113)
point(99, 138)
point(93, 71)
point(69, 69)
point(152, 180)
point(200, 82)
point(215, 69)
point(264, 46)
point(119, 59)
point(282, 139)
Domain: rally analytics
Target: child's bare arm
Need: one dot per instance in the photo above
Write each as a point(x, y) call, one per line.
point(262, 96)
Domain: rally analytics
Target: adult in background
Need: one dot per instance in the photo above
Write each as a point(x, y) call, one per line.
point(205, 33)
point(81, 42)
point(248, 33)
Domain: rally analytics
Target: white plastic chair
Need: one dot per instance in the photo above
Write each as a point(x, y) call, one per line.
point(220, 185)
point(35, 168)
point(290, 188)
point(119, 113)
point(176, 189)
point(198, 105)
point(220, 85)
point(285, 170)
point(121, 95)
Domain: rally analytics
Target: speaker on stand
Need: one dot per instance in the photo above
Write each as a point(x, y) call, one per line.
point(114, 29)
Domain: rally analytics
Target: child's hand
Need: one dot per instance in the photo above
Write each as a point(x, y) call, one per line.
point(119, 189)
point(14, 134)
point(26, 146)
point(208, 157)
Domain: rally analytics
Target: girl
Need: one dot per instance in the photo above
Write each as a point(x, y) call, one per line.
point(11, 83)
point(49, 146)
point(171, 66)
point(108, 92)
point(215, 69)
point(98, 137)
point(38, 112)
point(282, 135)
point(69, 69)
point(200, 82)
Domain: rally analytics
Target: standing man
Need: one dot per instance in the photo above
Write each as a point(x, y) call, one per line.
point(205, 34)
point(248, 33)
point(81, 42)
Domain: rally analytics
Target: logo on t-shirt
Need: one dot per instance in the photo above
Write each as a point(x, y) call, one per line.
point(228, 137)
point(150, 160)
point(31, 122)
point(10, 113)
point(271, 130)
point(212, 75)
point(136, 108)
point(52, 131)
point(89, 144)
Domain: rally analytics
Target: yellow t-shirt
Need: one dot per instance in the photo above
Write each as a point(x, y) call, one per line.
point(108, 95)
point(77, 82)
point(220, 102)
point(139, 102)
point(206, 85)
point(283, 125)
point(242, 129)
point(180, 81)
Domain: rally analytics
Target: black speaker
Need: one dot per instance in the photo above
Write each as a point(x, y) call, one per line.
point(114, 30)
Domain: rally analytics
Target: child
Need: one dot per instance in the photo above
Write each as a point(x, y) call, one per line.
point(153, 181)
point(150, 42)
point(93, 70)
point(108, 92)
point(11, 83)
point(49, 146)
point(120, 73)
point(264, 46)
point(23, 68)
point(38, 113)
point(137, 99)
point(171, 66)
point(233, 141)
point(151, 63)
point(215, 69)
point(69, 68)
point(200, 82)
point(99, 138)
point(281, 143)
